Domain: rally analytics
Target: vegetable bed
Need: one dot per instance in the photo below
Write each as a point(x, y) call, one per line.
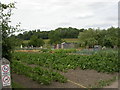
point(37, 74)
point(101, 62)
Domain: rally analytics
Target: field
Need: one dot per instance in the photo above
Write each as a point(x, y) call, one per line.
point(65, 69)
point(67, 40)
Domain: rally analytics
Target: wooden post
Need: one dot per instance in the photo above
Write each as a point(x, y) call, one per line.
point(5, 73)
point(0, 74)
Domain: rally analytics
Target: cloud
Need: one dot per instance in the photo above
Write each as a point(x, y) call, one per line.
point(102, 25)
point(64, 23)
point(50, 14)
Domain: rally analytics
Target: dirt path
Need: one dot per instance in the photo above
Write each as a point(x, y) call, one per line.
point(87, 77)
point(77, 79)
point(28, 83)
point(113, 85)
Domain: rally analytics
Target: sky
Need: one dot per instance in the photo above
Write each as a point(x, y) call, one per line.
point(50, 14)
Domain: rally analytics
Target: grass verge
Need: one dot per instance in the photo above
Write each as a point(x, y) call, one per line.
point(16, 85)
point(103, 83)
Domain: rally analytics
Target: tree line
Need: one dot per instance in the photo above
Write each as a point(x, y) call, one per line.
point(108, 37)
point(87, 37)
point(63, 33)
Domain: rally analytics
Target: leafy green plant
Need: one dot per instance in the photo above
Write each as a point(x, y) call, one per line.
point(103, 83)
point(101, 61)
point(37, 74)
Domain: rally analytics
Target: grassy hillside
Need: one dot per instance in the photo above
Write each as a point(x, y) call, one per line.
point(72, 40)
point(67, 40)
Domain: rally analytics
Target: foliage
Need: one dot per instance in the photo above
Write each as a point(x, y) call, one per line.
point(87, 38)
point(38, 74)
point(35, 41)
point(68, 32)
point(16, 85)
point(15, 41)
point(91, 37)
point(103, 83)
point(64, 33)
point(86, 52)
point(58, 50)
point(104, 62)
point(64, 50)
point(6, 30)
point(110, 52)
point(45, 50)
point(54, 38)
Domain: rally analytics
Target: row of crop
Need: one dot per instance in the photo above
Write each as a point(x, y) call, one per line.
point(37, 74)
point(62, 62)
point(109, 52)
point(58, 50)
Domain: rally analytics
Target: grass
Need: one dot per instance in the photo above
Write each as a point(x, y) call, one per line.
point(46, 40)
point(70, 40)
point(103, 83)
point(16, 85)
point(26, 41)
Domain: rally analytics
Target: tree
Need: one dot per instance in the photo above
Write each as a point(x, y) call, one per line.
point(108, 38)
point(36, 42)
point(54, 38)
point(6, 29)
point(63, 33)
point(16, 42)
point(113, 36)
point(88, 38)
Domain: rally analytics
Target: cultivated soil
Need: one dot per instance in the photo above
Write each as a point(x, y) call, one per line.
point(113, 85)
point(76, 79)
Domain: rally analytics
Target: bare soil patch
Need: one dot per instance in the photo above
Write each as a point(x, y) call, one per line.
point(113, 85)
point(87, 77)
point(28, 83)
point(77, 76)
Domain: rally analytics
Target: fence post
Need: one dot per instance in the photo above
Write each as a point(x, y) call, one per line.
point(5, 74)
point(0, 74)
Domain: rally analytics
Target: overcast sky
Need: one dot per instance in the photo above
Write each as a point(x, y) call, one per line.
point(51, 14)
